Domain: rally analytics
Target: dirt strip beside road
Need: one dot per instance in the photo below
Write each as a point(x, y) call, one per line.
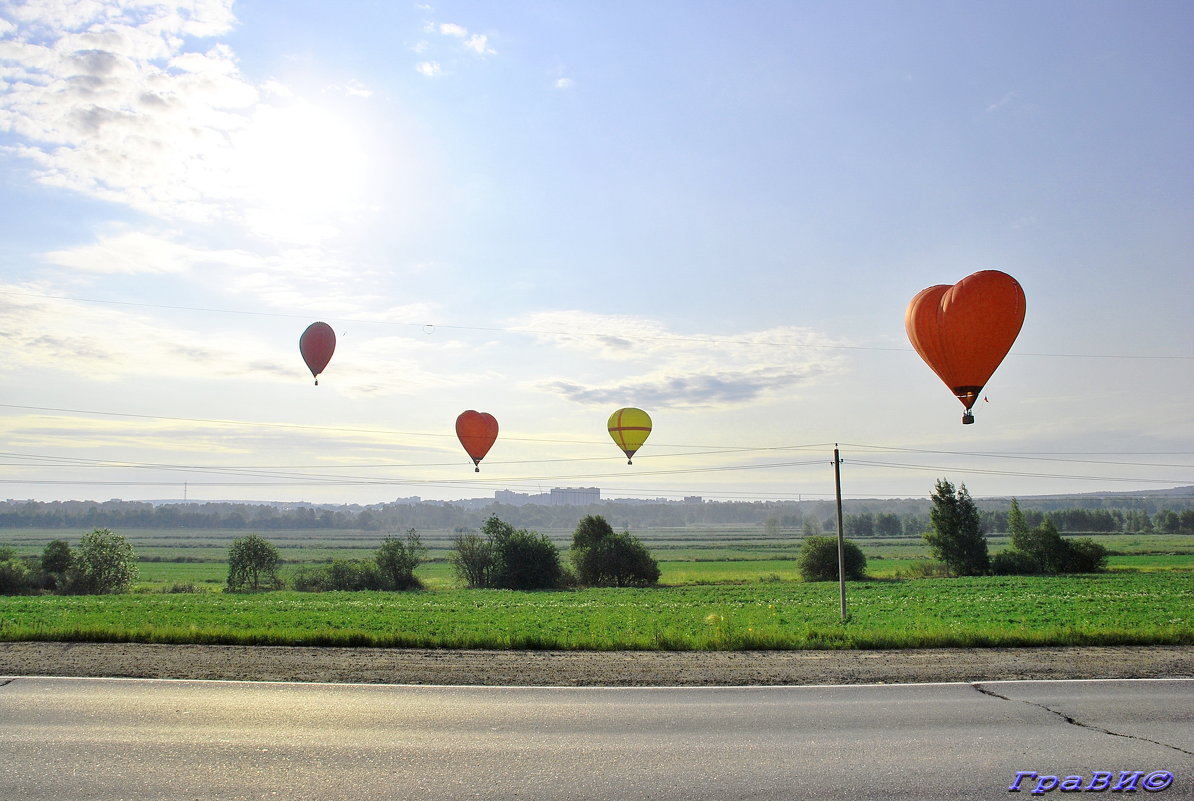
point(587, 668)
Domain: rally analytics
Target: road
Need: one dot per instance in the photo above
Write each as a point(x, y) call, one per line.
point(82, 739)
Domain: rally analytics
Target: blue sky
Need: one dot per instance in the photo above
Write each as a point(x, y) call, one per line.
point(716, 212)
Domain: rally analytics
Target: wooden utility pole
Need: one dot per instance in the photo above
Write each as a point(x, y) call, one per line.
point(841, 536)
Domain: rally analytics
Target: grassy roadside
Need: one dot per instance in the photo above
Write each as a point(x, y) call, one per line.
point(1112, 609)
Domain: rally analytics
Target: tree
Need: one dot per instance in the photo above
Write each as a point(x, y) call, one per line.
point(888, 524)
point(103, 563)
point(14, 573)
point(605, 558)
point(955, 535)
point(590, 530)
point(1044, 546)
point(507, 558)
point(472, 558)
point(1011, 562)
point(1166, 521)
point(860, 525)
point(56, 557)
point(1017, 526)
point(397, 561)
point(818, 560)
point(1085, 556)
point(1044, 550)
point(252, 562)
point(523, 560)
point(353, 575)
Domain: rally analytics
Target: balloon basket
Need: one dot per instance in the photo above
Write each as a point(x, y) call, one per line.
point(967, 419)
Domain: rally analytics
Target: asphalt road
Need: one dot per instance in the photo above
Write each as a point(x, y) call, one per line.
point(83, 739)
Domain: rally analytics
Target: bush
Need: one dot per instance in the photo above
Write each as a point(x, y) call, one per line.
point(925, 568)
point(252, 564)
point(183, 587)
point(397, 560)
point(310, 579)
point(56, 557)
point(526, 560)
point(353, 575)
point(472, 558)
point(104, 563)
point(1013, 562)
point(508, 558)
point(15, 578)
point(1044, 550)
point(1085, 556)
point(56, 561)
point(818, 560)
point(604, 558)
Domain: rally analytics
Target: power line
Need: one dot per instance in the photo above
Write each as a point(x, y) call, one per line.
point(292, 475)
point(1020, 474)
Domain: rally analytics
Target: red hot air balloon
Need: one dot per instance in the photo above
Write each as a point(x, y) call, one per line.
point(317, 344)
point(964, 331)
point(477, 432)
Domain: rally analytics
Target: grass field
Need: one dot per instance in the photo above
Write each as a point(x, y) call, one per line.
point(989, 611)
point(735, 592)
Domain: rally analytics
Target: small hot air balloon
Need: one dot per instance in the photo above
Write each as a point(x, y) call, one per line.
point(317, 344)
point(477, 432)
point(630, 428)
point(964, 331)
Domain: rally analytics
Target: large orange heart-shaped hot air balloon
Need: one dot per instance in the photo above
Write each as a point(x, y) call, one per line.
point(317, 344)
point(477, 431)
point(630, 428)
point(964, 331)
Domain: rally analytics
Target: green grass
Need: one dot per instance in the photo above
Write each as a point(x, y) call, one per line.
point(731, 589)
point(1134, 608)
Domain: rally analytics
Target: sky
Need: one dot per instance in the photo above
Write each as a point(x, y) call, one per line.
point(716, 212)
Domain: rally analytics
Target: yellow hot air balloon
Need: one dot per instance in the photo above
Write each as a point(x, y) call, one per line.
point(630, 428)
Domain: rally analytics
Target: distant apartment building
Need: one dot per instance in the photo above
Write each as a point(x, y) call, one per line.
point(574, 496)
point(559, 496)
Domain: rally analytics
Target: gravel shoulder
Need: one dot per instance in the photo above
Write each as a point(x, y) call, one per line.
point(572, 668)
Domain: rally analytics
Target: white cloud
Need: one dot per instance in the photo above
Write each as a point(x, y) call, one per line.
point(109, 342)
point(429, 68)
point(141, 253)
point(479, 43)
point(357, 89)
point(657, 366)
point(564, 83)
point(476, 42)
point(110, 102)
point(293, 279)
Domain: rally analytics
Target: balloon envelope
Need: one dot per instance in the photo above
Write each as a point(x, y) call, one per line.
point(477, 431)
point(317, 344)
point(629, 428)
point(964, 331)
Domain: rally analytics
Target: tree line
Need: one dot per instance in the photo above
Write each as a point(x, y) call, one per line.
point(956, 538)
point(864, 518)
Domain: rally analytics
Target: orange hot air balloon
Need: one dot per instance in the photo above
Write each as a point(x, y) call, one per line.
point(317, 344)
point(964, 331)
point(477, 431)
point(629, 428)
